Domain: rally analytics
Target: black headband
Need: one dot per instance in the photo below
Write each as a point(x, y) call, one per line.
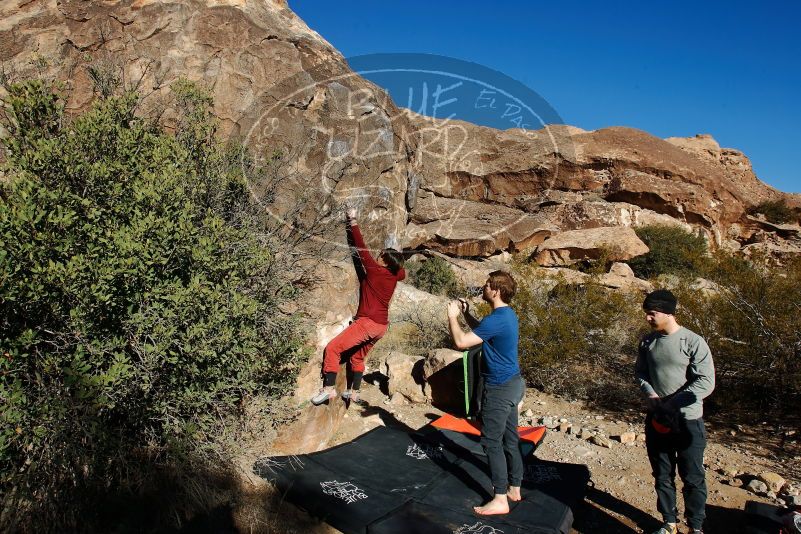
point(660, 300)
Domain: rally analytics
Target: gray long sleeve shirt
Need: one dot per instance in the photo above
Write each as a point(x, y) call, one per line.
point(677, 367)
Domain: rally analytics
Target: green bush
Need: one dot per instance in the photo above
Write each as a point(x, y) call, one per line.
point(433, 275)
point(775, 211)
point(673, 250)
point(575, 340)
point(138, 298)
point(580, 341)
point(751, 320)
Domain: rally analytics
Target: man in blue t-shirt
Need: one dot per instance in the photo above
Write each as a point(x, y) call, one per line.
point(503, 386)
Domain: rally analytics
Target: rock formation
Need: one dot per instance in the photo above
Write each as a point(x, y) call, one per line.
point(277, 86)
point(613, 176)
point(449, 186)
point(618, 243)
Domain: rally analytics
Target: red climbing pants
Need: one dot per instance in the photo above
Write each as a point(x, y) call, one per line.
point(354, 342)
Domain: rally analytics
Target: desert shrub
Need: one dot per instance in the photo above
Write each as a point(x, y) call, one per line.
point(580, 340)
point(673, 250)
point(751, 320)
point(139, 300)
point(419, 331)
point(576, 340)
point(433, 275)
point(775, 211)
point(597, 266)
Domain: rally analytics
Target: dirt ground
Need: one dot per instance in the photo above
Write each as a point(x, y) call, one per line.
point(620, 497)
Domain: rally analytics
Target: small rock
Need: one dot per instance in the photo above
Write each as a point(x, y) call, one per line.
point(562, 420)
point(599, 417)
point(528, 413)
point(583, 452)
point(546, 421)
point(792, 500)
point(773, 481)
point(601, 441)
point(640, 437)
point(626, 437)
point(757, 486)
point(735, 482)
point(564, 427)
point(771, 495)
point(730, 472)
point(373, 421)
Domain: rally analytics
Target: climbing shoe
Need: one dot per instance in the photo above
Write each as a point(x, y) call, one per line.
point(324, 395)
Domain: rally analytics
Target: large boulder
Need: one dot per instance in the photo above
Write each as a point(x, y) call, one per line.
point(405, 376)
point(277, 86)
point(473, 273)
point(409, 301)
point(467, 228)
point(621, 276)
point(690, 180)
point(338, 290)
point(316, 425)
point(616, 243)
point(439, 359)
point(444, 376)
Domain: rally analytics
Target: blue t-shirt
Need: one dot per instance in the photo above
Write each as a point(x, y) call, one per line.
point(499, 332)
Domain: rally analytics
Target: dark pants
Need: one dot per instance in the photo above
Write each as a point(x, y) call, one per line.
point(683, 449)
point(499, 436)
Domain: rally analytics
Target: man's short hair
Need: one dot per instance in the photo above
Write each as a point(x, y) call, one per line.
point(503, 282)
point(393, 259)
point(661, 300)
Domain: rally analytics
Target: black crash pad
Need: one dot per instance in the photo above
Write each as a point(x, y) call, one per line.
point(390, 481)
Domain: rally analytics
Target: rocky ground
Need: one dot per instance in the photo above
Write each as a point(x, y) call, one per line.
point(620, 497)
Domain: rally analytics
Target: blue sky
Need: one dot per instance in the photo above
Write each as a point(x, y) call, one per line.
point(730, 69)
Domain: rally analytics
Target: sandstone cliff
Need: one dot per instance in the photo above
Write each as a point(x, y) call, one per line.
point(278, 85)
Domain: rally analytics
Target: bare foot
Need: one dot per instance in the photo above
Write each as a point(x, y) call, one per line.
point(498, 505)
point(514, 494)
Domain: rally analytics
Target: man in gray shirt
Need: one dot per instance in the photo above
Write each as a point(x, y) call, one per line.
point(675, 372)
